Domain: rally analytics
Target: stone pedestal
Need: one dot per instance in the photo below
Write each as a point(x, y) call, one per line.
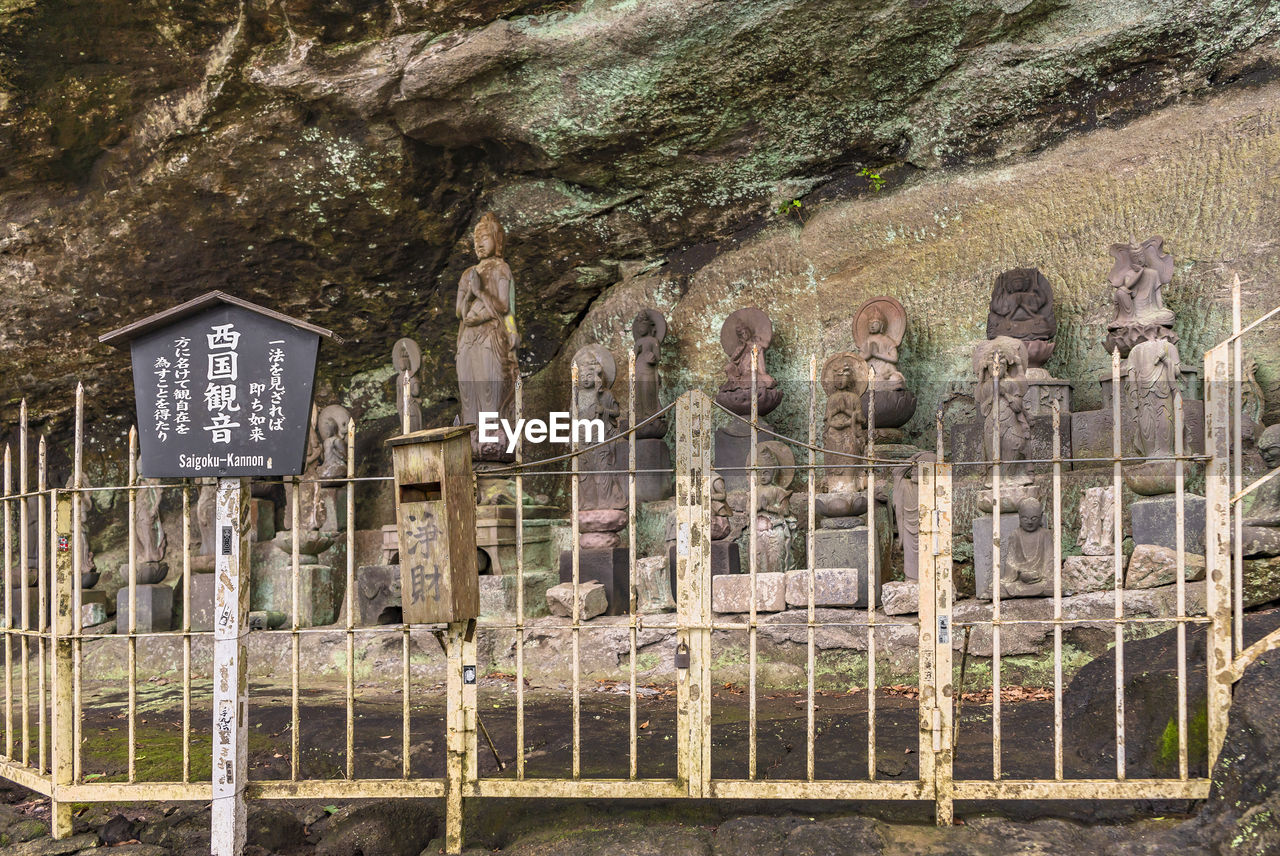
point(262, 519)
point(733, 451)
point(1155, 521)
point(202, 587)
point(607, 566)
point(93, 608)
point(320, 590)
point(901, 598)
point(982, 550)
point(496, 539)
point(155, 609)
point(377, 598)
point(1042, 392)
point(653, 454)
point(726, 558)
point(591, 600)
point(731, 593)
point(832, 587)
point(498, 594)
point(847, 548)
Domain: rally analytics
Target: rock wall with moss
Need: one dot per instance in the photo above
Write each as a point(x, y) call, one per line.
point(328, 159)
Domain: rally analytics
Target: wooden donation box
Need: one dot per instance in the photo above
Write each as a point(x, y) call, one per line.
point(436, 519)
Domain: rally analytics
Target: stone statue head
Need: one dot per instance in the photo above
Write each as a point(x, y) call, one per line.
point(489, 238)
point(1030, 514)
point(1269, 446)
point(875, 324)
point(589, 372)
point(642, 326)
point(767, 461)
point(596, 368)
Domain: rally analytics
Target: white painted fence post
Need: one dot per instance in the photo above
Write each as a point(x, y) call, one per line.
point(230, 668)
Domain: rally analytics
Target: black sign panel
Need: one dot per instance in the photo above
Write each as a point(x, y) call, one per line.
point(226, 392)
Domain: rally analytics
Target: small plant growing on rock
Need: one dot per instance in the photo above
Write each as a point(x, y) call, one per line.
point(793, 208)
point(875, 179)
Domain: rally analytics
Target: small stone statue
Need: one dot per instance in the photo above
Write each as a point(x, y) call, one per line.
point(1153, 373)
point(1022, 308)
point(1261, 533)
point(1097, 521)
point(1026, 562)
point(774, 526)
point(1001, 367)
point(1139, 272)
point(721, 514)
point(206, 511)
point(878, 328)
point(406, 358)
point(89, 574)
point(334, 422)
point(487, 337)
point(742, 330)
point(906, 511)
point(647, 331)
point(844, 379)
point(601, 485)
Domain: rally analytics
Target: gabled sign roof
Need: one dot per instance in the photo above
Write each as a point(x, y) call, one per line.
point(123, 336)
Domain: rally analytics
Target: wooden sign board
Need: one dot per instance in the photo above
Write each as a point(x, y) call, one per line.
point(222, 388)
point(436, 519)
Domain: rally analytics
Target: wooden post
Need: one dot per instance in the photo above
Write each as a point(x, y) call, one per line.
point(1217, 545)
point(693, 589)
point(461, 757)
point(230, 668)
point(64, 587)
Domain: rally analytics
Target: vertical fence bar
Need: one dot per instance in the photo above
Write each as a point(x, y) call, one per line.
point(133, 604)
point(24, 606)
point(1180, 569)
point(873, 565)
point(230, 668)
point(42, 601)
point(631, 564)
point(693, 589)
point(77, 534)
point(997, 539)
point(944, 698)
point(1237, 467)
point(810, 658)
point(8, 603)
point(1218, 553)
point(186, 630)
point(295, 739)
point(520, 630)
point(927, 612)
point(65, 585)
point(1117, 451)
point(1057, 591)
point(576, 612)
point(349, 631)
point(752, 550)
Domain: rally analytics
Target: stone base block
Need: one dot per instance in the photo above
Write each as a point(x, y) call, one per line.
point(832, 587)
point(609, 567)
point(1152, 566)
point(262, 519)
point(1091, 433)
point(498, 594)
point(320, 590)
point(202, 586)
point(726, 558)
point(377, 598)
point(982, 550)
point(33, 608)
point(900, 598)
point(496, 541)
point(847, 548)
point(591, 600)
point(653, 454)
point(1155, 522)
point(655, 590)
point(731, 593)
point(92, 614)
point(155, 609)
point(1082, 574)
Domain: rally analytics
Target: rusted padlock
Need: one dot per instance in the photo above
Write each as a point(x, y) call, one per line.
point(682, 656)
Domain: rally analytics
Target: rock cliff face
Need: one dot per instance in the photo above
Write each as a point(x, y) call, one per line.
point(328, 159)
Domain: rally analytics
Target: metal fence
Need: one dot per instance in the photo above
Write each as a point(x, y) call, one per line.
point(47, 688)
